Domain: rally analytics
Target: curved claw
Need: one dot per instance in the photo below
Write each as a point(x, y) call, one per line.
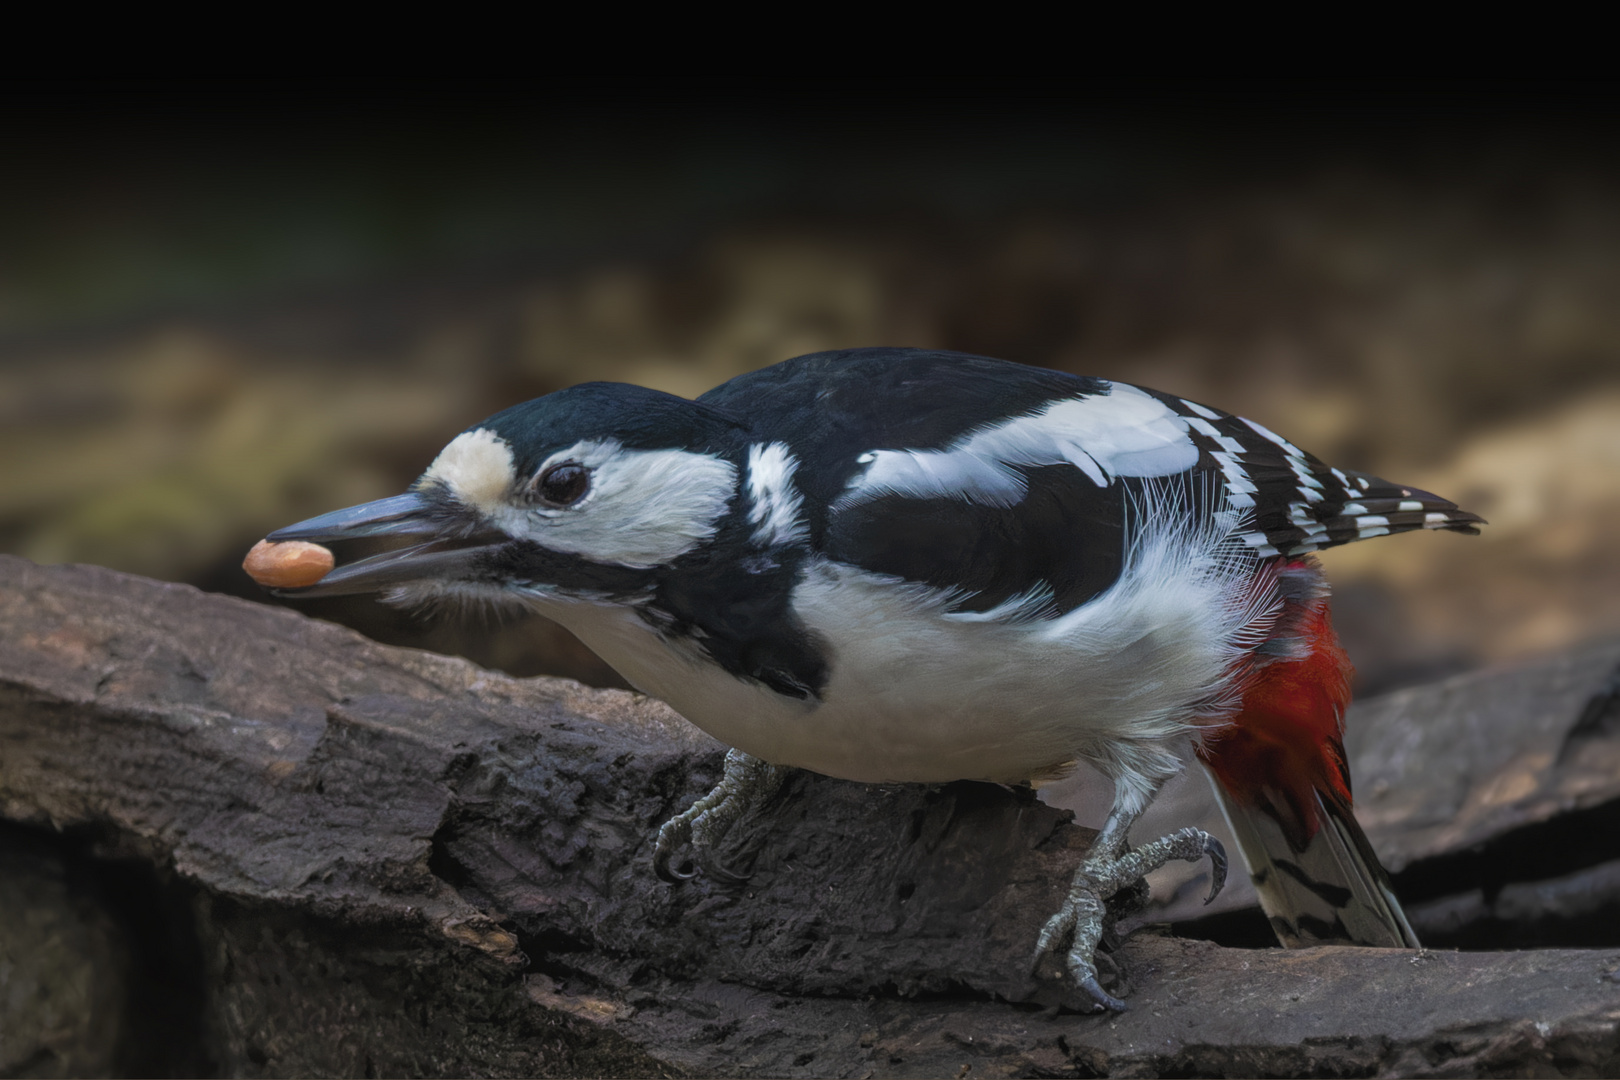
point(1115, 871)
point(668, 873)
point(1217, 867)
point(1106, 1002)
point(1080, 919)
point(1059, 927)
point(672, 836)
point(746, 783)
point(725, 875)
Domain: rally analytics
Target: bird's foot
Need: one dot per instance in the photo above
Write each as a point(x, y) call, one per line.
point(746, 784)
point(1083, 919)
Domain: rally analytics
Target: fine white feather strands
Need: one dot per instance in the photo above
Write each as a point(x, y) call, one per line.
point(774, 502)
point(1186, 608)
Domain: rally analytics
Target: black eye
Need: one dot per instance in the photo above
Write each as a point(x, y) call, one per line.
point(563, 485)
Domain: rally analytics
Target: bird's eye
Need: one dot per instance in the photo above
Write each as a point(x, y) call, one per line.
point(563, 485)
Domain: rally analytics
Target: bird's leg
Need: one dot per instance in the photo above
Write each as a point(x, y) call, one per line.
point(1109, 867)
point(747, 783)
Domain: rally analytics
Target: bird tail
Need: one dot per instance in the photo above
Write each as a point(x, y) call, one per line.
point(1281, 778)
point(1330, 892)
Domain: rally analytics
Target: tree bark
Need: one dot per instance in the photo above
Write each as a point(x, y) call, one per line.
point(398, 863)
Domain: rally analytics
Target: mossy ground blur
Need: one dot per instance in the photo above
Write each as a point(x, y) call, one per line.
point(207, 332)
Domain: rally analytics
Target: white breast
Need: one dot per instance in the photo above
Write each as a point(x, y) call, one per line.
point(917, 693)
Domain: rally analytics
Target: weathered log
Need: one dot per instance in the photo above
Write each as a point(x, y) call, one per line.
point(399, 863)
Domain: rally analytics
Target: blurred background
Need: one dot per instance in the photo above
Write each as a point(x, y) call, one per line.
point(228, 306)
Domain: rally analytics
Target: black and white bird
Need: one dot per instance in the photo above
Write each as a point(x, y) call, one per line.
point(895, 565)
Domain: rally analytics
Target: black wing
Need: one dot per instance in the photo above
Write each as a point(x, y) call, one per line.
point(831, 407)
point(1062, 540)
point(1062, 544)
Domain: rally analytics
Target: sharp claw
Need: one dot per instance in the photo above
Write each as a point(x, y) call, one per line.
point(668, 873)
point(1116, 872)
point(1105, 1001)
point(727, 876)
point(662, 857)
point(746, 782)
point(674, 834)
point(1217, 867)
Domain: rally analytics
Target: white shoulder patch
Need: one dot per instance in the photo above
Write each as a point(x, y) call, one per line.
point(1123, 433)
point(477, 468)
point(644, 508)
point(774, 502)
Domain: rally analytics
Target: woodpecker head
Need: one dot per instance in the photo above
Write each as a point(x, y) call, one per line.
point(580, 495)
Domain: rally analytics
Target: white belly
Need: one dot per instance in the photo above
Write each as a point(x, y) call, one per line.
point(918, 694)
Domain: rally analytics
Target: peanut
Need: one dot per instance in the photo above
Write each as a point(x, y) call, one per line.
point(291, 564)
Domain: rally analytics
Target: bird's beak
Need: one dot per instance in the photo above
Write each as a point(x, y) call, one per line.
point(448, 551)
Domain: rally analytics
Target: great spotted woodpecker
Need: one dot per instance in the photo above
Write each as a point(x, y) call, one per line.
point(899, 565)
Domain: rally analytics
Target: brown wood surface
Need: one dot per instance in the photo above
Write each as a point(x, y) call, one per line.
point(398, 863)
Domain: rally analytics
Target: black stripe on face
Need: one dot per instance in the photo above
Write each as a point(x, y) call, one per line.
point(524, 561)
point(1067, 534)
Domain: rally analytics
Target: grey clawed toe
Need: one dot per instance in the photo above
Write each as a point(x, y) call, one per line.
point(746, 784)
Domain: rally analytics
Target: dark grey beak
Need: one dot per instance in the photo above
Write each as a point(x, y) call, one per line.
point(449, 552)
point(401, 515)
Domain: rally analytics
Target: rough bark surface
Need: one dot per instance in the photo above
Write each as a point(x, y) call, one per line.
point(389, 862)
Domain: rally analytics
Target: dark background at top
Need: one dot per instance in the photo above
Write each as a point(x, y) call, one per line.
point(225, 305)
point(139, 199)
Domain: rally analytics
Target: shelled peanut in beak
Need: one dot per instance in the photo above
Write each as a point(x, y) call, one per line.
point(290, 564)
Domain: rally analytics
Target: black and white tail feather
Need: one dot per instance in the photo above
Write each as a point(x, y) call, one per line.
point(1332, 891)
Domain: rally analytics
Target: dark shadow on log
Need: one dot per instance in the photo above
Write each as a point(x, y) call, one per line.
point(397, 863)
point(108, 948)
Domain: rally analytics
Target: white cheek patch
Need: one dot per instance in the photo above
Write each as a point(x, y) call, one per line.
point(774, 502)
point(477, 468)
point(644, 508)
point(1123, 433)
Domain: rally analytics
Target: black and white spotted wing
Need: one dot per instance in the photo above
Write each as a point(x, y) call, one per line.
point(1000, 482)
point(1298, 503)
